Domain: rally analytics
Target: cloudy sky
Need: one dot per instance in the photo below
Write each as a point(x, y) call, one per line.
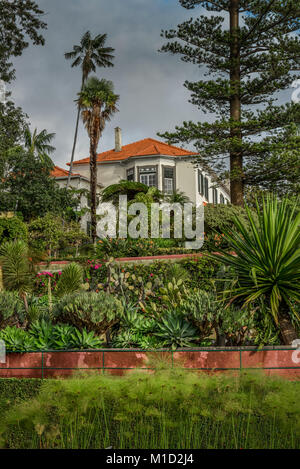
point(150, 84)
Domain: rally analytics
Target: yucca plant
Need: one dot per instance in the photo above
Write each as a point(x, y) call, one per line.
point(70, 281)
point(267, 262)
point(16, 268)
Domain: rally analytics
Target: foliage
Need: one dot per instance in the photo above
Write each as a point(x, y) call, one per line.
point(16, 339)
point(70, 280)
point(12, 127)
point(19, 22)
point(96, 312)
point(250, 52)
point(16, 268)
point(174, 331)
point(197, 270)
point(12, 228)
point(279, 170)
point(42, 335)
point(130, 188)
point(52, 233)
point(26, 178)
point(11, 309)
point(267, 261)
point(128, 247)
point(217, 219)
point(39, 144)
point(167, 409)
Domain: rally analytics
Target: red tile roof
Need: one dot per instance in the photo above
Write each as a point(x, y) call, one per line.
point(59, 172)
point(146, 147)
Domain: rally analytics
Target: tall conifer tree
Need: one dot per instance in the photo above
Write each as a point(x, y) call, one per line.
point(250, 50)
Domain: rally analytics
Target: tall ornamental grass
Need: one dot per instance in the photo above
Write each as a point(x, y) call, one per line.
point(169, 409)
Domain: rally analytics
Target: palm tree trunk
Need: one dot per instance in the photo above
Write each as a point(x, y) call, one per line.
point(236, 157)
point(74, 148)
point(288, 332)
point(75, 138)
point(93, 173)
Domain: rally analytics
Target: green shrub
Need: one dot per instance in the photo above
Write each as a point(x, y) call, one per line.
point(218, 219)
point(12, 228)
point(96, 312)
point(12, 310)
point(169, 409)
point(226, 325)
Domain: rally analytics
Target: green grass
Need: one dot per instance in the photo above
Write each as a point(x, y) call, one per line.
point(170, 409)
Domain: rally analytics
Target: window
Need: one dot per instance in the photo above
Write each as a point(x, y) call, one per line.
point(148, 175)
point(215, 196)
point(130, 174)
point(227, 201)
point(200, 183)
point(168, 180)
point(222, 200)
point(206, 189)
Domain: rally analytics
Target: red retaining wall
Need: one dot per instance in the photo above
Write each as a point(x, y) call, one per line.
point(280, 361)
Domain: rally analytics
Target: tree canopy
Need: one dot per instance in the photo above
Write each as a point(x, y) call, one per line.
point(20, 22)
point(248, 51)
point(27, 187)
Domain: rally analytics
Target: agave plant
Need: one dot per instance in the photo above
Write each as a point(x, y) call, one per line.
point(17, 340)
point(175, 331)
point(84, 340)
point(267, 262)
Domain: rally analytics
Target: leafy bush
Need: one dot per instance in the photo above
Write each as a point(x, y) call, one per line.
point(96, 312)
point(167, 409)
point(218, 219)
point(12, 228)
point(226, 325)
point(12, 310)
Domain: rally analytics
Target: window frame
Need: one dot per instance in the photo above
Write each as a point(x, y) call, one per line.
point(140, 172)
point(173, 168)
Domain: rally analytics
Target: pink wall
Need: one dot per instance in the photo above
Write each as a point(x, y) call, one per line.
point(283, 362)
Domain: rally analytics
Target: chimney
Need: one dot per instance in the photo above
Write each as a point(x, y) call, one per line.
point(118, 139)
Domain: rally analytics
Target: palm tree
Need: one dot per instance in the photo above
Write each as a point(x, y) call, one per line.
point(129, 188)
point(98, 103)
point(90, 54)
point(178, 197)
point(39, 144)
